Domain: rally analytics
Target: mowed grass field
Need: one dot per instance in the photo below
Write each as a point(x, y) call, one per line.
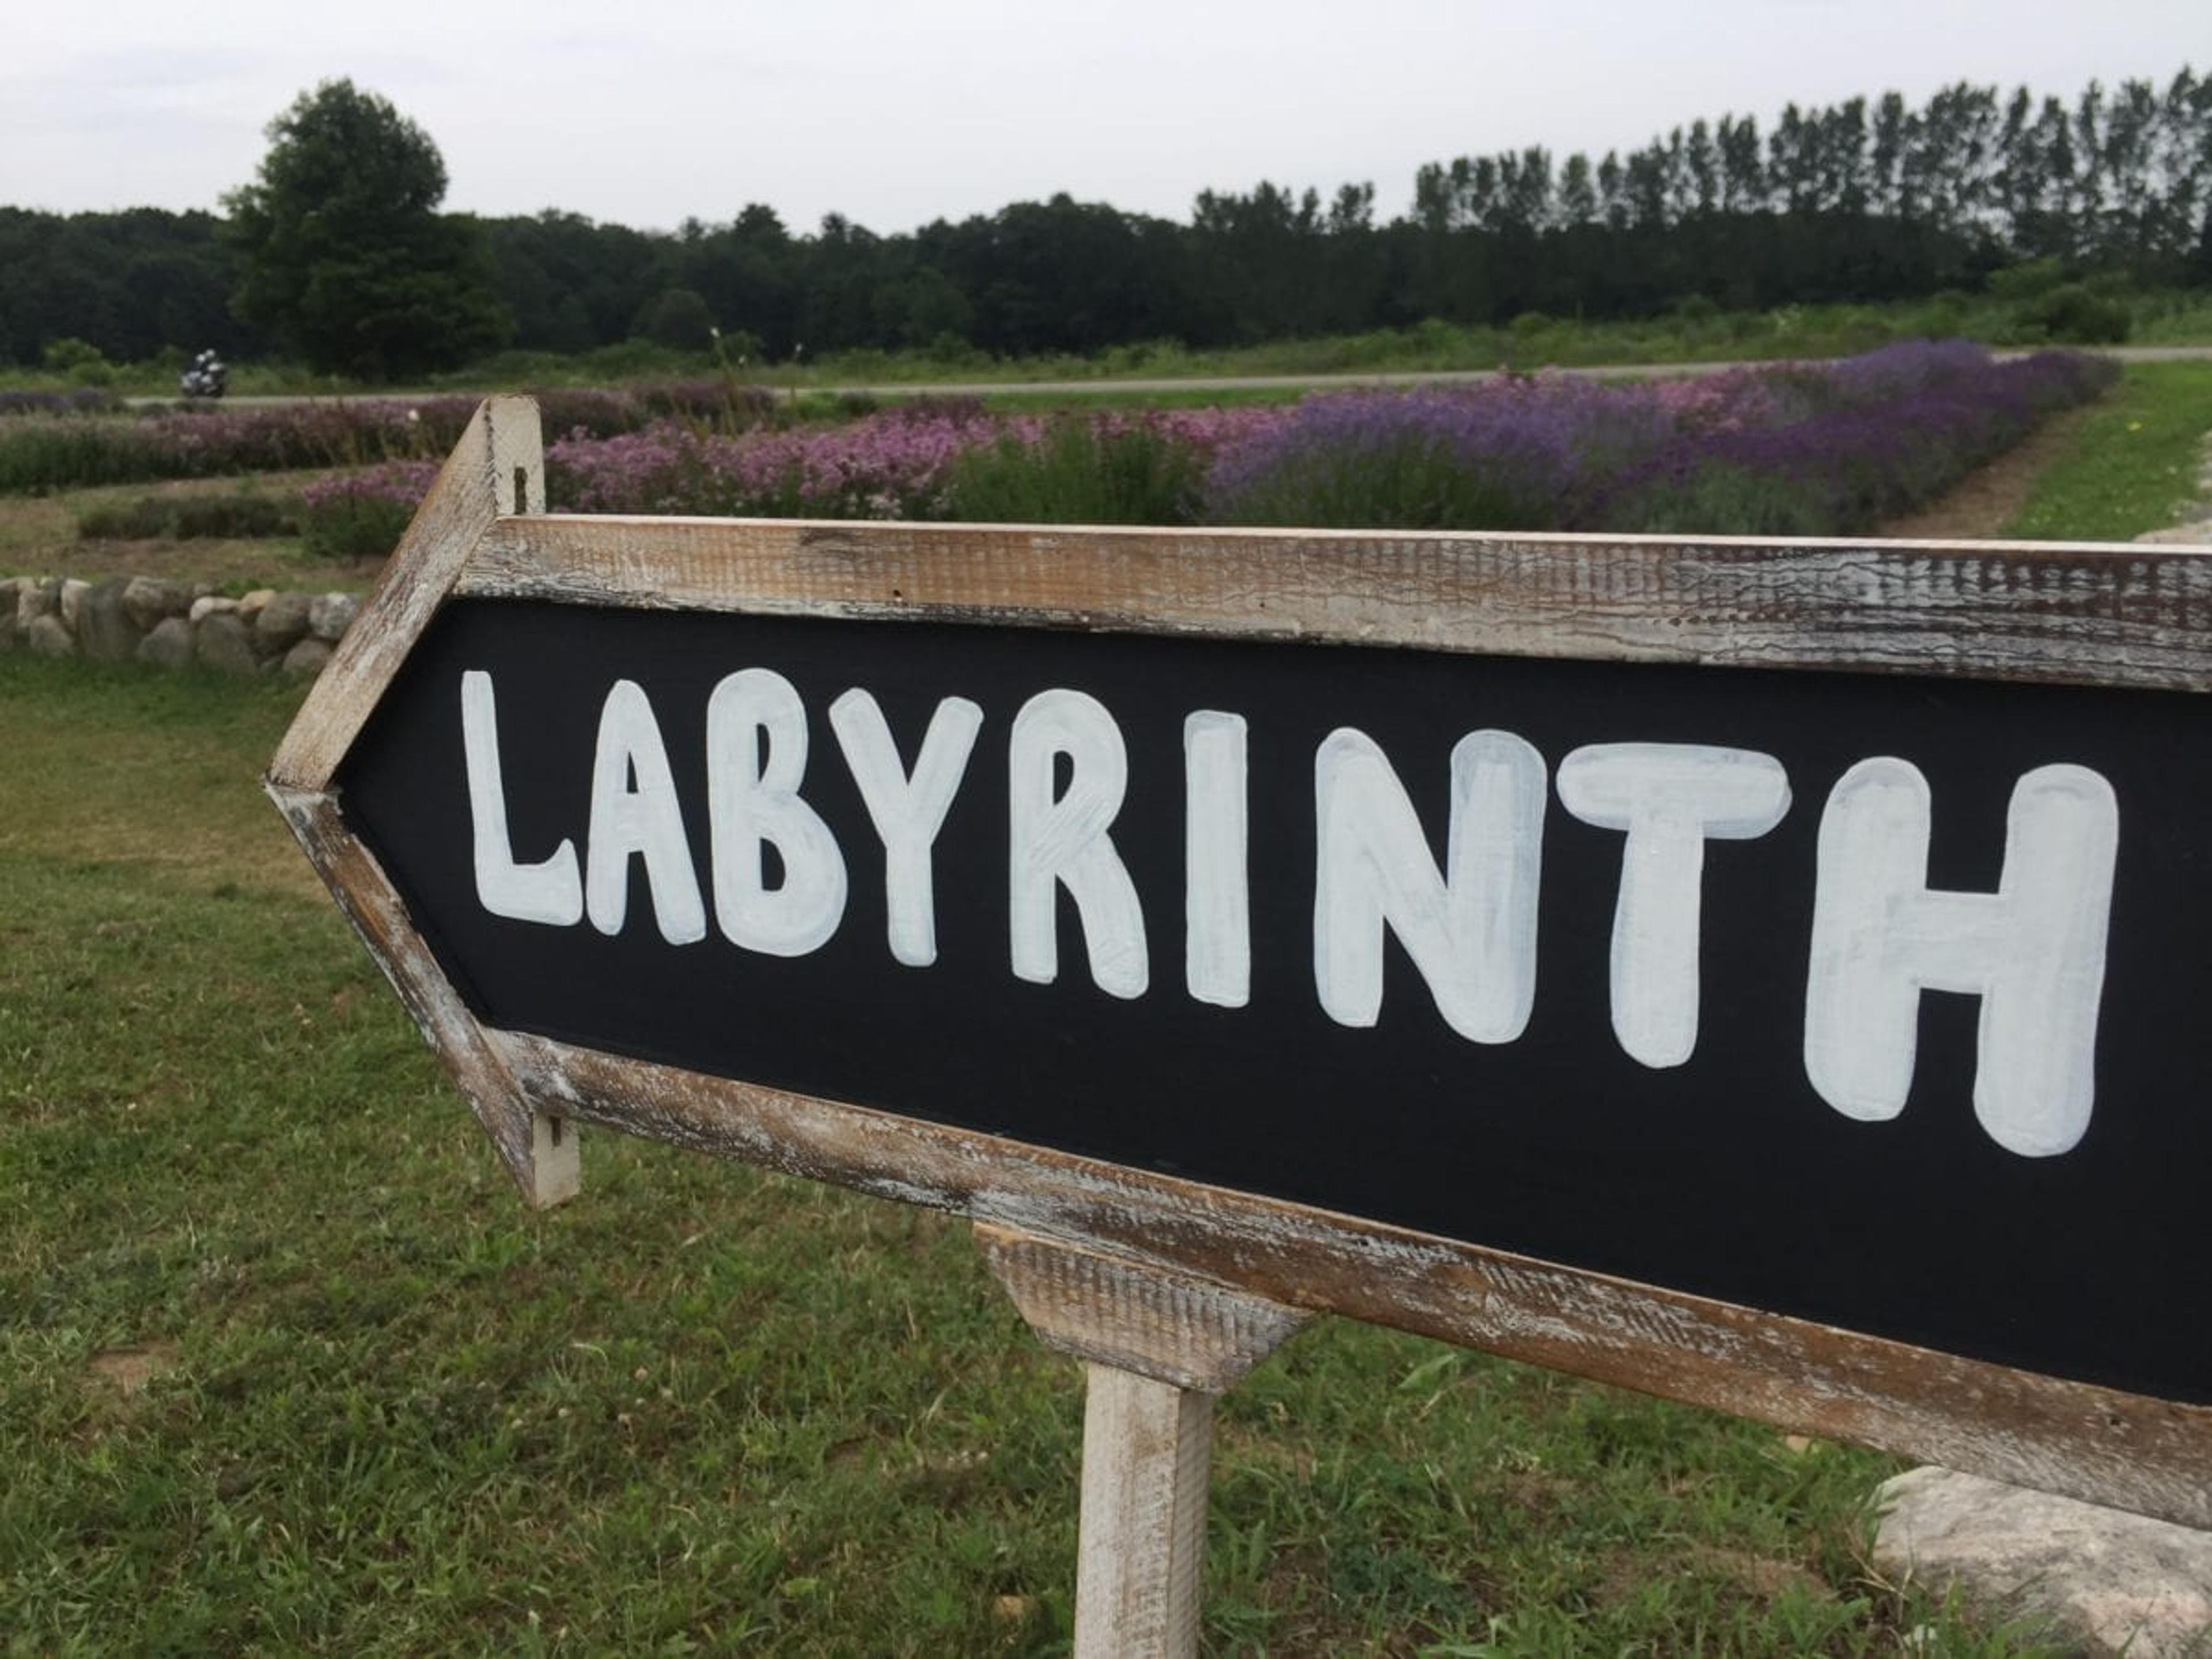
point(285, 1367)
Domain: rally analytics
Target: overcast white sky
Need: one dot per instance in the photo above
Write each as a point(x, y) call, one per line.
point(646, 112)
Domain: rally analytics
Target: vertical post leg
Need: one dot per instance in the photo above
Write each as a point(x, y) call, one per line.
point(1157, 1346)
point(1147, 1447)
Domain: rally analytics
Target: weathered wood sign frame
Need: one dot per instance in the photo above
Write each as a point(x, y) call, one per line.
point(1168, 1288)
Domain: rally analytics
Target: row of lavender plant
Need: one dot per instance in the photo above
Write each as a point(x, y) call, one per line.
point(85, 400)
point(62, 448)
point(1805, 449)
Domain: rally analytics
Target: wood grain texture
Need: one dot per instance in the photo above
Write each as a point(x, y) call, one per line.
point(501, 447)
point(1110, 1311)
point(2096, 1443)
point(538, 1151)
point(1147, 1446)
point(2057, 613)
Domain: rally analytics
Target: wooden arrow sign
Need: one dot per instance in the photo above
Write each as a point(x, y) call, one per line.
point(1764, 973)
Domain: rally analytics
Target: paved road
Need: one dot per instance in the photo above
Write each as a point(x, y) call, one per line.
point(1240, 382)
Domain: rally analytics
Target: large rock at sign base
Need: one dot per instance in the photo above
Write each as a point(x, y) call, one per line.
point(169, 644)
point(223, 643)
point(329, 616)
point(105, 631)
point(2118, 1582)
point(150, 600)
point(308, 658)
point(282, 624)
point(47, 637)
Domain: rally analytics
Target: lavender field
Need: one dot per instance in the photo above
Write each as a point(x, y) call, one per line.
point(1834, 448)
point(1805, 449)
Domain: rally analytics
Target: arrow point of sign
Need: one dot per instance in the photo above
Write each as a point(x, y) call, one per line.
point(498, 468)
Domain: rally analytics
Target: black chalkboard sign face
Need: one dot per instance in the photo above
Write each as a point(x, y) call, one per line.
point(1873, 1001)
point(1768, 974)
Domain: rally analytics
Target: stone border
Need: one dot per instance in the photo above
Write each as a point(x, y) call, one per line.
point(173, 624)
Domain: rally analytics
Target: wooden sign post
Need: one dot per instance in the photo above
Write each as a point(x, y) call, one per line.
point(1768, 975)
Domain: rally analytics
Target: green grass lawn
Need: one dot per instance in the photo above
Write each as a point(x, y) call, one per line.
point(2135, 459)
point(285, 1367)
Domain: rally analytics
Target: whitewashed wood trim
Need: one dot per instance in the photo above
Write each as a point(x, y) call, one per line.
point(2101, 1444)
point(1139, 1572)
point(2065, 613)
point(500, 450)
point(1110, 1311)
point(539, 1149)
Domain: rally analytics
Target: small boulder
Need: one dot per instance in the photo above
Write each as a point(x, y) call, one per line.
point(32, 601)
point(47, 637)
point(223, 643)
point(104, 628)
point(2117, 1583)
point(69, 601)
point(281, 623)
point(169, 644)
point(307, 659)
point(148, 599)
point(329, 616)
point(210, 605)
point(249, 607)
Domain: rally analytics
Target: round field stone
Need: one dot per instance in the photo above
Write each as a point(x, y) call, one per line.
point(307, 659)
point(330, 616)
point(105, 631)
point(223, 643)
point(47, 637)
point(282, 624)
point(149, 600)
point(2114, 1582)
point(169, 644)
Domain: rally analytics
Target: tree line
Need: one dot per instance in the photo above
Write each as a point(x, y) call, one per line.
point(1862, 200)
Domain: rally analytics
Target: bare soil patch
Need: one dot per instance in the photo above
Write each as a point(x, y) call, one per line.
point(1980, 505)
point(124, 1372)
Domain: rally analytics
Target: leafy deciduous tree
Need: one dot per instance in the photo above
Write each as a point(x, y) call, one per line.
point(343, 255)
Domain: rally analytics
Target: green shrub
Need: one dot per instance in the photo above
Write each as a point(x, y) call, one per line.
point(77, 359)
point(2074, 313)
point(353, 528)
point(238, 517)
point(2029, 280)
point(1079, 471)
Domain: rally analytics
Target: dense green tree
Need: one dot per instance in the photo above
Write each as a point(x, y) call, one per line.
point(343, 254)
point(1862, 200)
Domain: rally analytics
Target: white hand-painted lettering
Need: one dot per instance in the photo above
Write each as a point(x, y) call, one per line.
point(1472, 931)
point(552, 890)
point(1669, 798)
point(753, 803)
point(1217, 891)
point(907, 812)
point(1064, 841)
point(2033, 950)
point(644, 820)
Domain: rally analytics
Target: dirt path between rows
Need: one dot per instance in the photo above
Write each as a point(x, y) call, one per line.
point(1981, 504)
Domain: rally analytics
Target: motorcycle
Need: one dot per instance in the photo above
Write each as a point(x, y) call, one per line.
point(206, 378)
